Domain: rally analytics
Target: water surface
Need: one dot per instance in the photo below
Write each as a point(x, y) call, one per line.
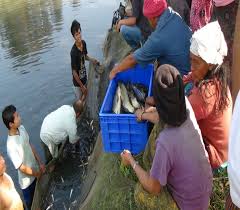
point(35, 44)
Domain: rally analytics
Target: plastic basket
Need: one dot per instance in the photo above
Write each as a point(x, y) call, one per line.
point(122, 131)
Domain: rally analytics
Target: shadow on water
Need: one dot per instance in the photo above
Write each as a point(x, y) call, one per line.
point(70, 170)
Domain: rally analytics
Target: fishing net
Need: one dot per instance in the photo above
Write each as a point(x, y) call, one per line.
point(59, 188)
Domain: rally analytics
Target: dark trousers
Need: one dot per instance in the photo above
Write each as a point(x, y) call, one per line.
point(28, 194)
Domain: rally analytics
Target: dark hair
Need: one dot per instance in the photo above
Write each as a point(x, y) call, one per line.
point(218, 77)
point(78, 106)
point(75, 26)
point(8, 115)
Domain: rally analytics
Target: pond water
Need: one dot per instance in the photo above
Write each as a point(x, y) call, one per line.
point(35, 44)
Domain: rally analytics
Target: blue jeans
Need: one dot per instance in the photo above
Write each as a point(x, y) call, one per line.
point(132, 35)
point(28, 194)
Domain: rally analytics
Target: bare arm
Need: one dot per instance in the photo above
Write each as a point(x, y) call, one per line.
point(131, 21)
point(149, 184)
point(89, 58)
point(127, 62)
point(29, 171)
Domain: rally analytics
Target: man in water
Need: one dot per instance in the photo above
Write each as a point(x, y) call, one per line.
point(60, 125)
point(22, 154)
point(9, 197)
point(79, 54)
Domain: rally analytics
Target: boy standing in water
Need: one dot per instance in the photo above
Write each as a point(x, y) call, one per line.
point(22, 154)
point(79, 54)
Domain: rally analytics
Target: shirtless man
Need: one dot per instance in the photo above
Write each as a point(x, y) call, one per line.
point(9, 197)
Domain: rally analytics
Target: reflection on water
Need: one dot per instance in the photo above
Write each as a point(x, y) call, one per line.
point(26, 29)
point(35, 72)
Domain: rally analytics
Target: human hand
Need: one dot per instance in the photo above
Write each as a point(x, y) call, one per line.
point(127, 157)
point(113, 73)
point(149, 101)
point(139, 114)
point(95, 62)
point(42, 168)
point(38, 174)
point(118, 27)
point(150, 109)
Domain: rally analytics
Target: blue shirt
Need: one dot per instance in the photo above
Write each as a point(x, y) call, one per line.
point(169, 43)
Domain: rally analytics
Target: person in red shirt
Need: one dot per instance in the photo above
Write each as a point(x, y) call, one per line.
point(210, 95)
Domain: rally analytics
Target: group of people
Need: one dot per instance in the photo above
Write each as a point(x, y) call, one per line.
point(57, 127)
point(191, 97)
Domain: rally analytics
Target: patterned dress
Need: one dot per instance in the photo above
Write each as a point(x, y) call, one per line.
point(201, 12)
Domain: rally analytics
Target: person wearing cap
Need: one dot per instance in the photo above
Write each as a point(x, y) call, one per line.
point(169, 43)
point(233, 199)
point(136, 28)
point(210, 95)
point(180, 161)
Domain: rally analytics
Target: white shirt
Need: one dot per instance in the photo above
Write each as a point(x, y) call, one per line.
point(20, 152)
point(234, 154)
point(57, 126)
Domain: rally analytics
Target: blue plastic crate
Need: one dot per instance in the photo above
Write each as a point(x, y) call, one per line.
point(122, 131)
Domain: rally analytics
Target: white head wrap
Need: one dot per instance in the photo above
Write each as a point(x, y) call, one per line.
point(209, 44)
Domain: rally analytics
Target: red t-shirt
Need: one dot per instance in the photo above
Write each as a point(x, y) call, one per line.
point(214, 125)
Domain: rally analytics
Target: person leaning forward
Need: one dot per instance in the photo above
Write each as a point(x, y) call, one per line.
point(180, 161)
point(169, 42)
point(60, 125)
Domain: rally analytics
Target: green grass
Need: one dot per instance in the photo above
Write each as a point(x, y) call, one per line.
point(220, 191)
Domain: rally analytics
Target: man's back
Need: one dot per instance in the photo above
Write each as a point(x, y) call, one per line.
point(58, 123)
point(169, 43)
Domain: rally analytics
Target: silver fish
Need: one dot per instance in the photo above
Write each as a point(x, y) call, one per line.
point(133, 100)
point(62, 179)
point(117, 101)
point(125, 99)
point(140, 95)
point(70, 193)
point(50, 206)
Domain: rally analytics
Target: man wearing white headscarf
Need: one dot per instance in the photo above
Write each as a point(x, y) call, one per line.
point(210, 96)
point(233, 200)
